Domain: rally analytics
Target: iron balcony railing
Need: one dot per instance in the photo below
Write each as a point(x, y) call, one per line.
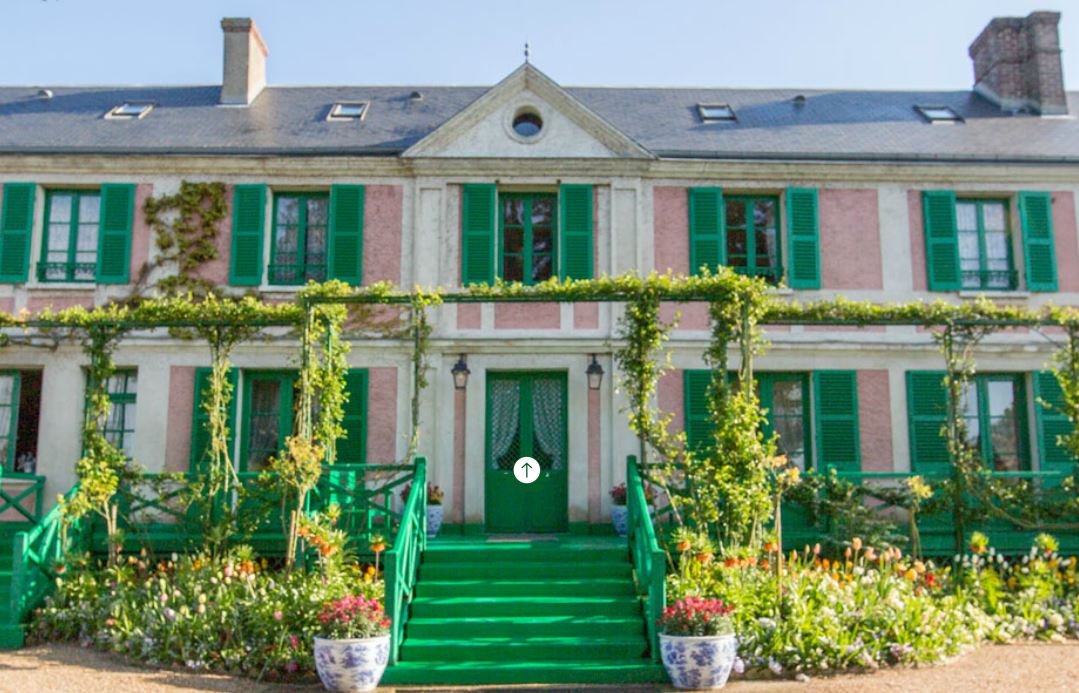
point(1001, 280)
point(301, 273)
point(66, 271)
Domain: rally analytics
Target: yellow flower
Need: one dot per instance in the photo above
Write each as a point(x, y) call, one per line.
point(919, 566)
point(911, 575)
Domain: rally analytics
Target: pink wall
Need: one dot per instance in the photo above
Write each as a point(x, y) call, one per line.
point(181, 414)
point(692, 316)
point(141, 233)
point(669, 395)
point(457, 502)
point(875, 421)
point(216, 271)
point(850, 240)
point(594, 502)
point(1067, 241)
point(382, 415)
point(469, 316)
point(536, 316)
point(37, 303)
point(917, 239)
point(671, 223)
point(382, 218)
point(7, 305)
point(585, 316)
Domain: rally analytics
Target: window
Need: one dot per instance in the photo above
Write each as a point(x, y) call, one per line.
point(299, 238)
point(938, 114)
point(752, 237)
point(130, 110)
point(985, 252)
point(72, 222)
point(715, 112)
point(120, 425)
point(268, 415)
point(527, 123)
point(20, 406)
point(994, 409)
point(527, 237)
point(785, 396)
point(348, 110)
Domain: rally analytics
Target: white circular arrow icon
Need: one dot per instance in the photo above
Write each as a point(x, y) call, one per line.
point(526, 470)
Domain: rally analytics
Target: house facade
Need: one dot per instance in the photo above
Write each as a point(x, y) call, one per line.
point(872, 195)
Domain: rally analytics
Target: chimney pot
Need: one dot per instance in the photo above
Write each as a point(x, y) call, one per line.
point(245, 61)
point(1017, 63)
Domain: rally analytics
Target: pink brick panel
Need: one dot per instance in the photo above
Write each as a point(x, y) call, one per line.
point(469, 316)
point(585, 316)
point(1067, 241)
point(141, 233)
point(671, 224)
point(917, 239)
point(594, 498)
point(670, 398)
point(382, 415)
point(181, 418)
point(216, 271)
point(382, 233)
point(875, 421)
point(537, 316)
point(37, 303)
point(850, 240)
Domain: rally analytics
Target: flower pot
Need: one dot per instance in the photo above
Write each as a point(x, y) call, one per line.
point(698, 662)
point(434, 520)
point(345, 666)
point(620, 518)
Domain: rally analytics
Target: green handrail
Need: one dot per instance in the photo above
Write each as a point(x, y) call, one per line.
point(35, 487)
point(649, 561)
point(403, 558)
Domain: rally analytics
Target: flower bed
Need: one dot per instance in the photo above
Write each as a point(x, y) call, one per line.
point(236, 614)
point(872, 608)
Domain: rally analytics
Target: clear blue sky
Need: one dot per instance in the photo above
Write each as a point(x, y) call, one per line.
point(744, 43)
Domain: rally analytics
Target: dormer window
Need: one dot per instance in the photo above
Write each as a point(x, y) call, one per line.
point(938, 114)
point(130, 110)
point(348, 110)
point(715, 112)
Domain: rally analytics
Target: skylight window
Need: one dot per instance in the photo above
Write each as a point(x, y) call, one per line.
point(715, 112)
point(938, 114)
point(130, 110)
point(348, 110)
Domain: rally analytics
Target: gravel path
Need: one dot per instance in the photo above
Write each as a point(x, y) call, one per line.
point(1026, 667)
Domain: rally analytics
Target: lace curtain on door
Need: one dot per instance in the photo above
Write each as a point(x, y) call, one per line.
point(505, 423)
point(547, 425)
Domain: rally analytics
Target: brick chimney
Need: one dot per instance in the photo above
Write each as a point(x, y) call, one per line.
point(1017, 64)
point(245, 61)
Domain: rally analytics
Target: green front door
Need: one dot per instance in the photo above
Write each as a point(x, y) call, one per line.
point(526, 417)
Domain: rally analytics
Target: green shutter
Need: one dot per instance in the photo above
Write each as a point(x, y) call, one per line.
point(576, 241)
point(707, 240)
point(941, 240)
point(835, 401)
point(1051, 423)
point(927, 409)
point(16, 227)
point(200, 433)
point(248, 220)
point(344, 256)
point(698, 422)
point(1039, 254)
point(114, 237)
point(352, 449)
point(478, 234)
point(803, 232)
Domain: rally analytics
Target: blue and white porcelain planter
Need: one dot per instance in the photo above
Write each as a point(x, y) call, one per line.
point(620, 518)
point(698, 662)
point(434, 520)
point(346, 666)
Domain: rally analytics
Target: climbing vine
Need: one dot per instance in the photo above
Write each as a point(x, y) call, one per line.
point(185, 227)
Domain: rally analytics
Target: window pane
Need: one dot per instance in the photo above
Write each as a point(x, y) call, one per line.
point(996, 245)
point(288, 210)
point(541, 239)
point(60, 207)
point(513, 240)
point(263, 441)
point(541, 268)
point(7, 389)
point(513, 268)
point(736, 242)
point(513, 211)
point(89, 208)
point(966, 216)
point(993, 217)
point(542, 208)
point(736, 214)
point(1001, 397)
point(285, 244)
point(316, 245)
point(59, 238)
point(766, 248)
point(968, 246)
point(764, 214)
point(317, 213)
point(87, 241)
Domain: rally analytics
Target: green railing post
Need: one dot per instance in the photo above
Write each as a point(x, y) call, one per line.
point(19, 550)
point(649, 561)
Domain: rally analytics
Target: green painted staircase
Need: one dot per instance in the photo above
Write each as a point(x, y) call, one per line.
point(11, 631)
point(502, 612)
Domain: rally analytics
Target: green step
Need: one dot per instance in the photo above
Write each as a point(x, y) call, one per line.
point(494, 648)
point(450, 607)
point(599, 587)
point(533, 626)
point(479, 673)
point(522, 570)
point(466, 553)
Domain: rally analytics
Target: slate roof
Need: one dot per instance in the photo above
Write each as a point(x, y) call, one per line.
point(843, 124)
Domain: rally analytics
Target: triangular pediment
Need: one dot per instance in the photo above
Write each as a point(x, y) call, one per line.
point(484, 129)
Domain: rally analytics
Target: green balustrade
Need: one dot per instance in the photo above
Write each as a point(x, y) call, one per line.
point(649, 561)
point(403, 558)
